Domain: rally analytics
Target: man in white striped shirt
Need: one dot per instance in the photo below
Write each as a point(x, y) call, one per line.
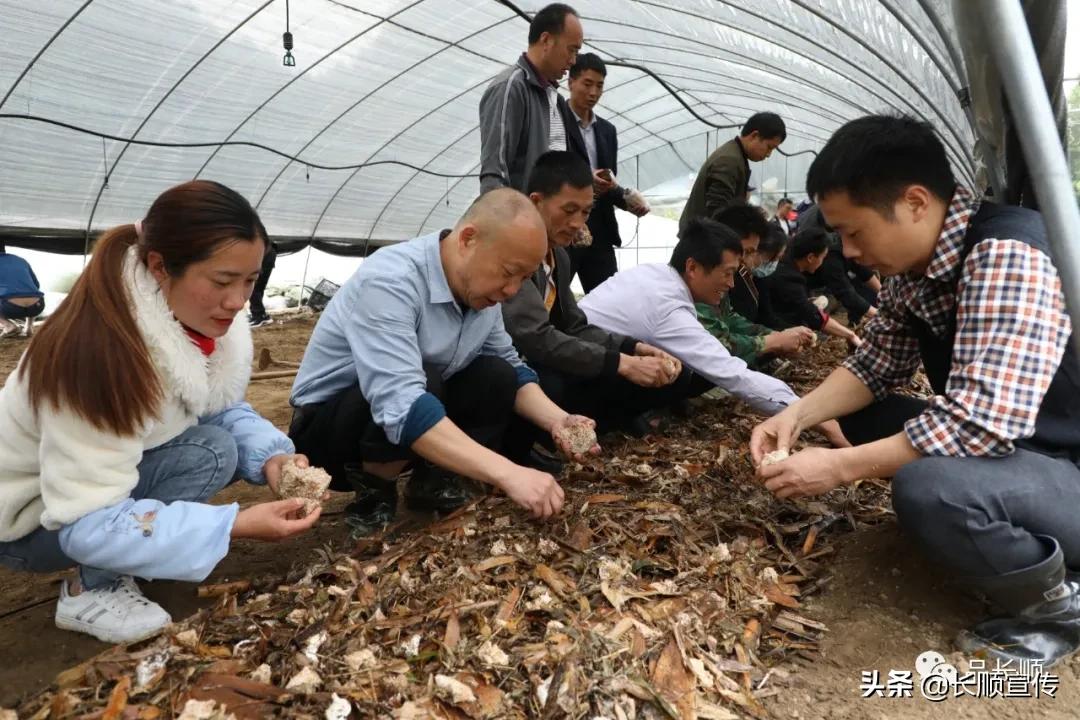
point(522, 115)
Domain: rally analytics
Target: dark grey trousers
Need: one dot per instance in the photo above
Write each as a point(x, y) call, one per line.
point(978, 516)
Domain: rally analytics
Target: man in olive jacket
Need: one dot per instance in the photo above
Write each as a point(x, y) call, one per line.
point(725, 176)
point(582, 364)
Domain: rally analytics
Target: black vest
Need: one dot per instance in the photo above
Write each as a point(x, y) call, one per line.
point(1057, 427)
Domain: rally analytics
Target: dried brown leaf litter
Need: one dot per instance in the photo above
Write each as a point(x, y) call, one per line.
point(670, 587)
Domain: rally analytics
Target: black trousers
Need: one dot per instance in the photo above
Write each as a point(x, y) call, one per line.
point(593, 264)
point(611, 402)
point(11, 311)
point(479, 399)
point(867, 294)
point(258, 310)
point(978, 516)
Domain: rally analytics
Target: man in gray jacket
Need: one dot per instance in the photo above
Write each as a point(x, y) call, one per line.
point(522, 115)
point(616, 377)
point(725, 177)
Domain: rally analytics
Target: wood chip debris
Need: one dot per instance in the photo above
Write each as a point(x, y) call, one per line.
point(672, 585)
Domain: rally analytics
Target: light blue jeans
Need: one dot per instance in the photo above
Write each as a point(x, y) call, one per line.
point(193, 466)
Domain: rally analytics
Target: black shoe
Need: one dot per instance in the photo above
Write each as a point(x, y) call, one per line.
point(432, 489)
point(1043, 620)
point(682, 409)
point(376, 501)
point(543, 461)
point(638, 426)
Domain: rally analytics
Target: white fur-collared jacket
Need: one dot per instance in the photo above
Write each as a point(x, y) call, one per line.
point(56, 468)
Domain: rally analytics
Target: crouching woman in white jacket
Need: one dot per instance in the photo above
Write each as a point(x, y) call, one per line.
point(127, 412)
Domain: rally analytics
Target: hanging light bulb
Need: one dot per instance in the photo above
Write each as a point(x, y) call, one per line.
point(289, 60)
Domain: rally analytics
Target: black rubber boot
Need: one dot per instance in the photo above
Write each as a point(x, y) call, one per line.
point(432, 489)
point(375, 504)
point(1042, 620)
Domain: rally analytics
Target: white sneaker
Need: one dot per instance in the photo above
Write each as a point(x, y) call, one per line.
point(117, 614)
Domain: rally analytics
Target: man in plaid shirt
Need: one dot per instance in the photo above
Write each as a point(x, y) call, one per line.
point(985, 474)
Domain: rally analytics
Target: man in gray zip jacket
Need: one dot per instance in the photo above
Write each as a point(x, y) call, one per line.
point(522, 115)
point(616, 377)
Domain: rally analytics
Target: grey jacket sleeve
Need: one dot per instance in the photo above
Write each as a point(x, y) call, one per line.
point(502, 109)
point(576, 323)
point(529, 324)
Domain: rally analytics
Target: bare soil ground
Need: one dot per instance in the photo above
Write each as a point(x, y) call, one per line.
point(883, 606)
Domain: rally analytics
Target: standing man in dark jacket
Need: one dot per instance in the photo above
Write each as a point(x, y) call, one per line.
point(985, 476)
point(724, 178)
point(594, 139)
point(522, 115)
point(783, 219)
point(578, 363)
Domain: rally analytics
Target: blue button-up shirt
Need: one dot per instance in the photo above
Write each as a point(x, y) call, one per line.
point(393, 317)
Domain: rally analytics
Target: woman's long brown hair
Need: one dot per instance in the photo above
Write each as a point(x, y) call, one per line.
point(89, 357)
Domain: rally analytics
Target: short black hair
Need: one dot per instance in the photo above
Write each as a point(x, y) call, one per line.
point(874, 158)
point(588, 61)
point(705, 241)
point(783, 200)
point(773, 242)
point(745, 220)
point(768, 125)
point(556, 168)
point(551, 19)
point(809, 242)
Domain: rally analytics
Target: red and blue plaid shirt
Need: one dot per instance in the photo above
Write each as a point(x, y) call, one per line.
point(1011, 333)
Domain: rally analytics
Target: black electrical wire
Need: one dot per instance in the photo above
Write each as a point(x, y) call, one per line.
point(230, 143)
point(243, 143)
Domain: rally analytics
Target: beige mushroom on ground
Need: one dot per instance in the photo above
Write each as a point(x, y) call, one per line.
point(774, 457)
